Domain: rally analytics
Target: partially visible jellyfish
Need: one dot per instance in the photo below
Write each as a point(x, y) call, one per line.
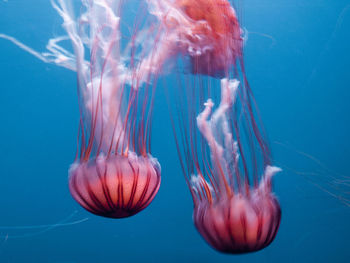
point(114, 174)
point(206, 32)
point(224, 152)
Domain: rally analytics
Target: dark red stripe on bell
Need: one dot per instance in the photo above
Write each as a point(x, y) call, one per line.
point(115, 187)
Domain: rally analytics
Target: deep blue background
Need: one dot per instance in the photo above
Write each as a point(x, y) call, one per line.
point(298, 63)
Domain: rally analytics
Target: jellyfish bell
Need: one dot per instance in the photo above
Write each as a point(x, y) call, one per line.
point(117, 186)
point(239, 223)
point(206, 32)
point(217, 27)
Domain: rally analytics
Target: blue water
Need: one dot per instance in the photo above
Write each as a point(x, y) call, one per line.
point(298, 63)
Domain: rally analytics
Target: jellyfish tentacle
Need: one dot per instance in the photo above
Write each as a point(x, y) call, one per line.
point(208, 126)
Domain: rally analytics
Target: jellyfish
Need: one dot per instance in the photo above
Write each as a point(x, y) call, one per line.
point(206, 32)
point(114, 174)
point(223, 151)
point(227, 169)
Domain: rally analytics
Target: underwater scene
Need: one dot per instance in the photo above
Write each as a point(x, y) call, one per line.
point(174, 131)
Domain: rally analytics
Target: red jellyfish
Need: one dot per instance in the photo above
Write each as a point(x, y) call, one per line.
point(217, 29)
point(234, 208)
point(114, 174)
point(207, 32)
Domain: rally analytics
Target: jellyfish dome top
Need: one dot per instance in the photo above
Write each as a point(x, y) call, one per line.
point(206, 32)
point(114, 174)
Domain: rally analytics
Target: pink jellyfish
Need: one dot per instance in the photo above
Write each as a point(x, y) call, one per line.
point(206, 32)
point(114, 174)
point(234, 208)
